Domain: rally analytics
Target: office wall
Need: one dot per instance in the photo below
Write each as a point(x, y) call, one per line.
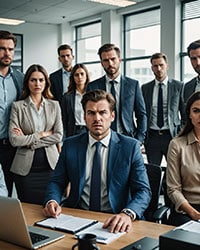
point(40, 44)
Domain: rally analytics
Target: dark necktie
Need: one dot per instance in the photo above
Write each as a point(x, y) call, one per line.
point(160, 119)
point(113, 92)
point(95, 185)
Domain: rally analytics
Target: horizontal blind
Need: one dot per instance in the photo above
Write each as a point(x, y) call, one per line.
point(143, 19)
point(191, 10)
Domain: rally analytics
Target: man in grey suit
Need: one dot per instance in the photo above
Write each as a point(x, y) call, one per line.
point(10, 90)
point(60, 78)
point(193, 85)
point(158, 138)
point(130, 113)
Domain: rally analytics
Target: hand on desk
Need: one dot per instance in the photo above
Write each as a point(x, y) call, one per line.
point(52, 209)
point(116, 223)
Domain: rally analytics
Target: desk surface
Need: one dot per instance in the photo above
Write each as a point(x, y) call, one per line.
point(139, 230)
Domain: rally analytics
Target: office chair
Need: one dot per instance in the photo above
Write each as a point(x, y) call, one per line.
point(155, 212)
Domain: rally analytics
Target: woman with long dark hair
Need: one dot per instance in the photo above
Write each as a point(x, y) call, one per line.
point(35, 129)
point(72, 112)
point(183, 167)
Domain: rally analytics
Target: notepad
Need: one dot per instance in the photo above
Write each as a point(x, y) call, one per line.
point(103, 235)
point(67, 223)
point(78, 225)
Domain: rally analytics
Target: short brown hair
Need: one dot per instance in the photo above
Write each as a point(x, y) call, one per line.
point(193, 45)
point(98, 95)
point(108, 47)
point(4, 34)
point(159, 55)
point(64, 47)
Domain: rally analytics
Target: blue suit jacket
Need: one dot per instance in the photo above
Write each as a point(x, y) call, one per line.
point(131, 102)
point(175, 104)
point(127, 181)
point(57, 85)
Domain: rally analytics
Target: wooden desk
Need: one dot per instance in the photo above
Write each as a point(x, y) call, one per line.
point(139, 230)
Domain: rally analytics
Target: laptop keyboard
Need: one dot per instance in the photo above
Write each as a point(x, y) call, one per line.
point(37, 237)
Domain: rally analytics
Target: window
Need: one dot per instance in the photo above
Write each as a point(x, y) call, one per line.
point(18, 57)
point(141, 39)
point(190, 26)
point(88, 41)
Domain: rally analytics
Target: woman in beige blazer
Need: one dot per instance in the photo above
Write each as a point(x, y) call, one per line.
point(35, 129)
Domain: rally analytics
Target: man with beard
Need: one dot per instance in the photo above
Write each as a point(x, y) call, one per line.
point(130, 113)
point(193, 85)
point(161, 127)
point(10, 90)
point(60, 78)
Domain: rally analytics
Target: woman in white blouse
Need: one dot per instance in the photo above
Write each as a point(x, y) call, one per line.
point(183, 167)
point(35, 129)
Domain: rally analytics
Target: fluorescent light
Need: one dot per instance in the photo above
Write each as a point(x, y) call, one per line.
point(120, 3)
point(10, 21)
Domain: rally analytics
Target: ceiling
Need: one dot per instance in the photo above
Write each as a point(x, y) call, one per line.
point(52, 11)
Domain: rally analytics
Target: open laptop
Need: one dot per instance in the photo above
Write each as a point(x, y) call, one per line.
point(14, 229)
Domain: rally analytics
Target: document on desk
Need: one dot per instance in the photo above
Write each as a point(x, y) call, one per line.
point(191, 226)
point(103, 234)
point(67, 223)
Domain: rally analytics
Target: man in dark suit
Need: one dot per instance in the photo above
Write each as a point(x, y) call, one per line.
point(172, 108)
point(123, 183)
point(193, 85)
point(60, 78)
point(130, 108)
point(10, 90)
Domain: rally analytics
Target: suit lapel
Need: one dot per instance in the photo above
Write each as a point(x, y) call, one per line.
point(60, 82)
point(113, 155)
point(28, 117)
point(81, 151)
point(151, 88)
point(103, 83)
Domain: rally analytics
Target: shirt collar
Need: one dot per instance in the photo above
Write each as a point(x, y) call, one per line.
point(198, 80)
point(10, 72)
point(105, 141)
point(32, 103)
point(117, 79)
point(165, 81)
point(66, 72)
point(192, 138)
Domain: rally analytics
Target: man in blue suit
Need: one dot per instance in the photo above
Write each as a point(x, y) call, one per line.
point(130, 108)
point(193, 85)
point(124, 188)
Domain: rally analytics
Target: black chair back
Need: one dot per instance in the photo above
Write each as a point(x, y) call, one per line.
point(154, 173)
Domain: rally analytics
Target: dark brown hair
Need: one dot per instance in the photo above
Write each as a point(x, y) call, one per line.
point(72, 84)
point(98, 95)
point(4, 34)
point(64, 47)
point(108, 47)
point(159, 55)
point(188, 125)
point(26, 91)
point(193, 45)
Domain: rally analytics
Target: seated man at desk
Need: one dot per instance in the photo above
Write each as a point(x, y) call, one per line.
point(119, 185)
